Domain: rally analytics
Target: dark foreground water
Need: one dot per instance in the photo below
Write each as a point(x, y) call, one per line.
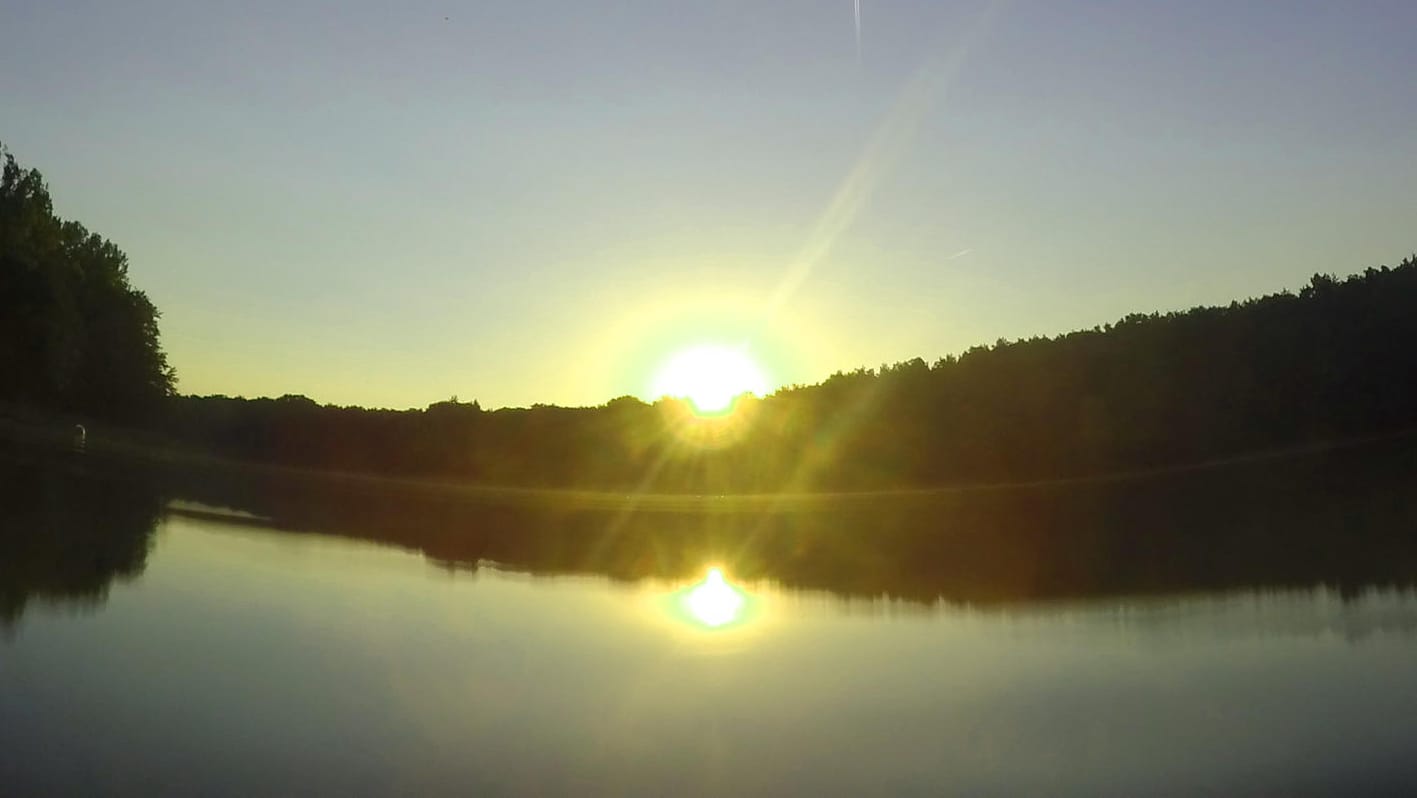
point(151, 645)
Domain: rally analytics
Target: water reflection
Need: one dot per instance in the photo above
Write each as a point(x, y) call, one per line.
point(249, 655)
point(247, 658)
point(712, 603)
point(66, 533)
point(1341, 519)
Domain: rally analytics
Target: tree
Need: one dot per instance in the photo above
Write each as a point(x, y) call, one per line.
point(75, 335)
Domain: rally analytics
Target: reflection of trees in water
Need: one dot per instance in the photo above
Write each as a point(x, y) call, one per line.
point(66, 533)
point(1345, 518)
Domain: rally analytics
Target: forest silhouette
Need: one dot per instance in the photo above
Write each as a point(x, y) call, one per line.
point(1332, 362)
point(1271, 442)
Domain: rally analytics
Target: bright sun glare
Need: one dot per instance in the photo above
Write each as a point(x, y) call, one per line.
point(713, 602)
point(710, 377)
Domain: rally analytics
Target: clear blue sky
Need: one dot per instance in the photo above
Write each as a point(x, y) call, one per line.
point(537, 201)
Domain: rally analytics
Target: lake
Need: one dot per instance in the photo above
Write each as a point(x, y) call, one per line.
point(154, 639)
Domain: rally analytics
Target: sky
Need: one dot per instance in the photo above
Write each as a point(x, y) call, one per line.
point(388, 204)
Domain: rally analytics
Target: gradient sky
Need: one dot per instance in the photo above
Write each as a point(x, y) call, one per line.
point(535, 201)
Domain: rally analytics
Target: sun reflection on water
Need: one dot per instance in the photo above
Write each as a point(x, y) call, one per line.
point(714, 603)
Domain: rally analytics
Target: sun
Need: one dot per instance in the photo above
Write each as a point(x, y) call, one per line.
point(710, 377)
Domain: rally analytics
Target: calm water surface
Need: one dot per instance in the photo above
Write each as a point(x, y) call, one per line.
point(244, 660)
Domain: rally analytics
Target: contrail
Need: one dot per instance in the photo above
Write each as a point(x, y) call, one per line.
point(858, 31)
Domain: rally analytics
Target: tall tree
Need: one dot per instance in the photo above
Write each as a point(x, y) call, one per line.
point(75, 335)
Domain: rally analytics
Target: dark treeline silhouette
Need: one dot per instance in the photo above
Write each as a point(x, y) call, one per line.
point(67, 531)
point(1335, 361)
point(75, 336)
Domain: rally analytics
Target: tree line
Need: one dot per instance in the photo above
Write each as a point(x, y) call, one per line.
point(1335, 360)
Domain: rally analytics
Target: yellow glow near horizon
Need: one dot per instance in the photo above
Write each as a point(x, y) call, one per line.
point(710, 377)
point(713, 602)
